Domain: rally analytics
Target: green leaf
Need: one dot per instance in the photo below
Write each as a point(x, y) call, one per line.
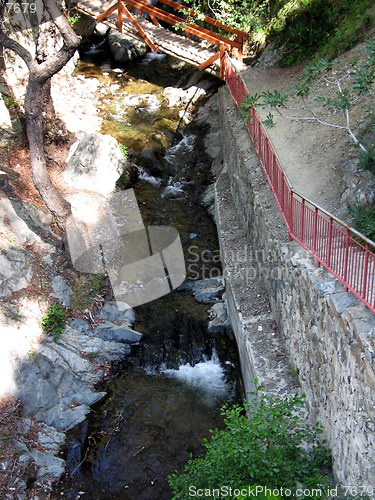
point(269, 121)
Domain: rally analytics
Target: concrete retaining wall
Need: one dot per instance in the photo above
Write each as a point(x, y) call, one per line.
point(328, 334)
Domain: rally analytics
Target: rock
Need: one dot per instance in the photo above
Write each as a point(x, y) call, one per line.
point(95, 163)
point(80, 325)
point(114, 311)
point(20, 447)
point(59, 355)
point(270, 56)
point(100, 349)
point(61, 290)
point(15, 271)
point(63, 418)
point(22, 224)
point(110, 331)
point(48, 464)
point(208, 291)
point(124, 47)
point(43, 383)
point(101, 29)
point(208, 197)
point(221, 321)
point(177, 96)
point(50, 439)
point(145, 102)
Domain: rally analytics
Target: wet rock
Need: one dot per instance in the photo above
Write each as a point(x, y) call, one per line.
point(220, 323)
point(61, 290)
point(177, 96)
point(208, 200)
point(95, 163)
point(112, 332)
point(124, 47)
point(208, 291)
point(145, 102)
point(113, 311)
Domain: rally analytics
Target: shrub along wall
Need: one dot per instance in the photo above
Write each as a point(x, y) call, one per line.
point(329, 335)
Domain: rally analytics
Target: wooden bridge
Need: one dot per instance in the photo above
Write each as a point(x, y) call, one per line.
point(202, 47)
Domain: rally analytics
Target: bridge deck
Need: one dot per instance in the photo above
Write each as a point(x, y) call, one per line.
point(167, 41)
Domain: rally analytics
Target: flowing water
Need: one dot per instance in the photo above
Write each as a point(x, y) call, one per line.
point(167, 394)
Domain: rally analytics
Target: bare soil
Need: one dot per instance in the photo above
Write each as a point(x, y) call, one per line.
point(314, 156)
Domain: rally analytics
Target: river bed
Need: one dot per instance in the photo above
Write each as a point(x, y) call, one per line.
point(167, 395)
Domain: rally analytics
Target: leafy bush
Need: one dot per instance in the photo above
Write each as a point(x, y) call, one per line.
point(364, 220)
point(267, 449)
point(54, 321)
point(367, 160)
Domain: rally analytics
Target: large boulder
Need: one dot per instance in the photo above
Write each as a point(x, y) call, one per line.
point(124, 47)
point(15, 271)
point(95, 162)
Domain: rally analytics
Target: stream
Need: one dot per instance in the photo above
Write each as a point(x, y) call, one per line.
point(166, 396)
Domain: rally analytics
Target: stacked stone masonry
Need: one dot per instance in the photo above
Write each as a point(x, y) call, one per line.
point(329, 335)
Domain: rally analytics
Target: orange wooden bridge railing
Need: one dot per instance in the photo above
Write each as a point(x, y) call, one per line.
point(156, 14)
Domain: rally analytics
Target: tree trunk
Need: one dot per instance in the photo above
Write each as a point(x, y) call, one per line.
point(55, 130)
point(35, 133)
point(38, 90)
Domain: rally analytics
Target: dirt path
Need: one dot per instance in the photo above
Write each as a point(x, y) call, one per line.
point(313, 155)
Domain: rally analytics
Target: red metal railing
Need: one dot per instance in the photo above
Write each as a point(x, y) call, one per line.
point(345, 252)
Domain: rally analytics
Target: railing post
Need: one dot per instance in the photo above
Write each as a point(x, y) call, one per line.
point(119, 16)
point(329, 246)
point(346, 256)
point(222, 56)
point(275, 175)
point(303, 219)
point(291, 230)
point(365, 272)
point(315, 230)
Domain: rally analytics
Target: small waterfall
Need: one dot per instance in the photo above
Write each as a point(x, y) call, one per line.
point(179, 153)
point(207, 376)
point(147, 177)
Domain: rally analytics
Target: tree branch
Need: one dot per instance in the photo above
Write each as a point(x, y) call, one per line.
point(11, 44)
point(71, 41)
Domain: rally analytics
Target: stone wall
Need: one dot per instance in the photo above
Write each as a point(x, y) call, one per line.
point(328, 333)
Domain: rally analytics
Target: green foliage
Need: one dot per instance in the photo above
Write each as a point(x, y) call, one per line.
point(303, 27)
point(367, 160)
point(9, 101)
point(353, 21)
point(54, 321)
point(124, 151)
point(74, 19)
point(364, 220)
point(268, 449)
point(266, 99)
